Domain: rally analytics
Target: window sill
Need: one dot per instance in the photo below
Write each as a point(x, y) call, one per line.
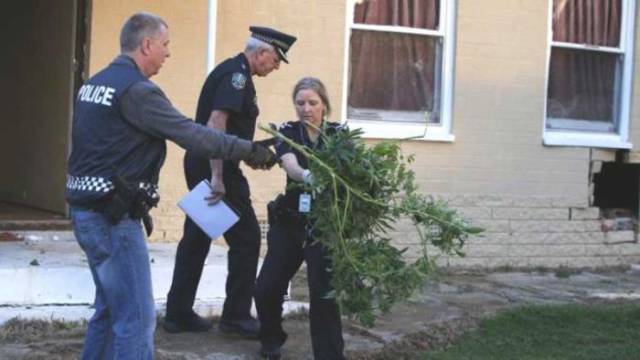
point(408, 131)
point(565, 138)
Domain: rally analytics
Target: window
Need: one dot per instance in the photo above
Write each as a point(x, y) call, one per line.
point(589, 73)
point(399, 68)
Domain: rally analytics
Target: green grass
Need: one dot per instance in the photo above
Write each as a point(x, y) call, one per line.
point(552, 332)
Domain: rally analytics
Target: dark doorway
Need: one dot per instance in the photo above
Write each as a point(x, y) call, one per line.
point(44, 59)
point(83, 37)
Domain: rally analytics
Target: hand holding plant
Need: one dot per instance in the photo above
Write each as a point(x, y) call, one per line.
point(360, 192)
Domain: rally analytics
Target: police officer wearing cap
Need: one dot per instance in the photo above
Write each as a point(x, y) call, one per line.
point(228, 103)
point(120, 123)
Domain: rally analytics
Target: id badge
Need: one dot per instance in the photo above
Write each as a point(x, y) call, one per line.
point(304, 205)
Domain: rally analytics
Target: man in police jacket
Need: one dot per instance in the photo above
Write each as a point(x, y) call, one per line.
point(120, 124)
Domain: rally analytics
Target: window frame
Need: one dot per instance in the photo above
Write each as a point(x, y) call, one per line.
point(623, 92)
point(212, 25)
point(401, 130)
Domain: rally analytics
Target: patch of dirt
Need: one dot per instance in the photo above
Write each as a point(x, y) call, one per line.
point(39, 340)
point(436, 338)
point(29, 331)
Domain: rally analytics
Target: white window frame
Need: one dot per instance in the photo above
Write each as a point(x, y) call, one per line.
point(210, 59)
point(619, 140)
point(403, 130)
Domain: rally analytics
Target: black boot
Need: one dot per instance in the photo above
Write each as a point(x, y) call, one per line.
point(247, 328)
point(271, 351)
point(190, 322)
point(271, 346)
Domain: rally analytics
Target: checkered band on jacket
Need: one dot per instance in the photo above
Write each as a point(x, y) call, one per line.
point(89, 183)
point(102, 185)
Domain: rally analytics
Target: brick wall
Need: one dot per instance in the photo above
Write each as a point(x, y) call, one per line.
point(532, 232)
point(532, 199)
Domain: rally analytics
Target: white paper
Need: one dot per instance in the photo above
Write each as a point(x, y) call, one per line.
point(214, 220)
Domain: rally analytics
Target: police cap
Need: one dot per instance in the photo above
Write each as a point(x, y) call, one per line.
point(279, 40)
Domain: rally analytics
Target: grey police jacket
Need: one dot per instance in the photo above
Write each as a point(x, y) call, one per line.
point(104, 144)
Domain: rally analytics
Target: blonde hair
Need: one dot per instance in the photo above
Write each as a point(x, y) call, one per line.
point(311, 83)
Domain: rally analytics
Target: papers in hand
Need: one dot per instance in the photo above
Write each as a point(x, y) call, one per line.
point(214, 220)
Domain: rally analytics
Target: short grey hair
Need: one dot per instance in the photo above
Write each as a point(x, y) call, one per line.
point(137, 27)
point(254, 44)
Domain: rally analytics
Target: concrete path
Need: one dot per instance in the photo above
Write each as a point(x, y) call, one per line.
point(45, 275)
point(446, 307)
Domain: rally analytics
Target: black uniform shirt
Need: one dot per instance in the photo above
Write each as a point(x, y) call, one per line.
point(229, 88)
point(295, 131)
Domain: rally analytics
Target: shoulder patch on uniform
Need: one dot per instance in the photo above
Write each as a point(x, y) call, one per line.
point(286, 125)
point(238, 80)
point(339, 126)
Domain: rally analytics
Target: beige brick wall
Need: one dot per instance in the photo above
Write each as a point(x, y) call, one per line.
point(549, 237)
point(529, 197)
point(499, 109)
point(498, 97)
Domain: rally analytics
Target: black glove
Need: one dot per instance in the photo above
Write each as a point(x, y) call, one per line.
point(260, 157)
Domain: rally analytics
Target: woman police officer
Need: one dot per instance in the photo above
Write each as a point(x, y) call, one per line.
point(289, 239)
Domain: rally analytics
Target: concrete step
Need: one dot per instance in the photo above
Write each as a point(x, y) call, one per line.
point(46, 274)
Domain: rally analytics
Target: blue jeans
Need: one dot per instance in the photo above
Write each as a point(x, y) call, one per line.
point(124, 321)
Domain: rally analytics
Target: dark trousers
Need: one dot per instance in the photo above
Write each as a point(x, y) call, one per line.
point(284, 256)
point(244, 247)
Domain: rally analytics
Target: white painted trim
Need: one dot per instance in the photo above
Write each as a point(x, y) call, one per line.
point(211, 35)
point(411, 131)
point(579, 125)
point(586, 139)
point(605, 49)
point(547, 66)
point(393, 130)
point(398, 29)
point(617, 140)
point(346, 60)
point(626, 95)
point(448, 9)
point(626, 19)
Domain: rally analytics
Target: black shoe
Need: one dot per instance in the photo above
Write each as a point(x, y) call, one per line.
point(189, 323)
point(271, 345)
point(247, 328)
point(270, 351)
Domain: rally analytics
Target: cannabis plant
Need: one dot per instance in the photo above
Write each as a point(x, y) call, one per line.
point(359, 193)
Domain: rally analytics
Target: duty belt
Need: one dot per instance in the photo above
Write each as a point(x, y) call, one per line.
point(123, 198)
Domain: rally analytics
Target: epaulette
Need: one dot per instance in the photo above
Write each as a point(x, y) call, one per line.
point(335, 127)
point(340, 126)
point(286, 125)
